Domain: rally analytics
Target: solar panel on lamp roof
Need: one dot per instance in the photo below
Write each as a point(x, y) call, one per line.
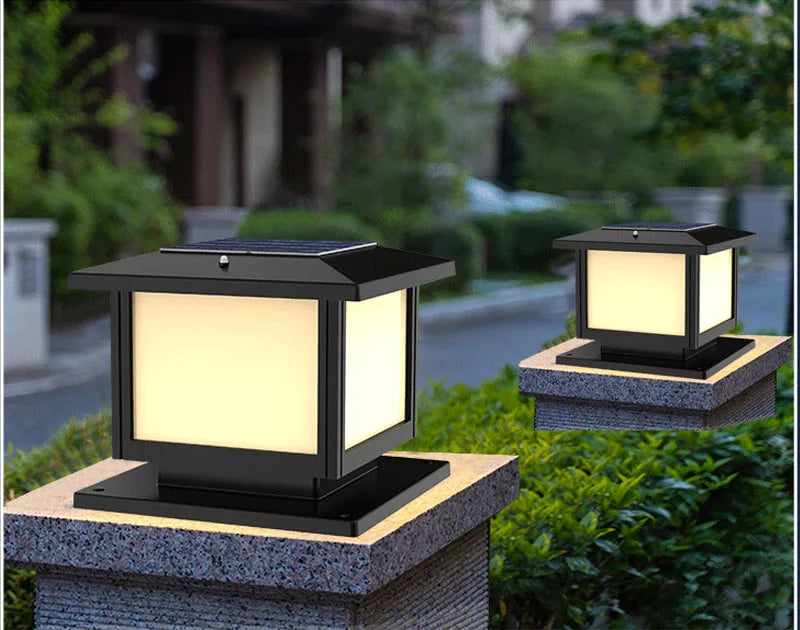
point(268, 247)
point(661, 227)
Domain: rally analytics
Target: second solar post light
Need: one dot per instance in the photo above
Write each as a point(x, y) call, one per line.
point(263, 381)
point(653, 301)
point(655, 297)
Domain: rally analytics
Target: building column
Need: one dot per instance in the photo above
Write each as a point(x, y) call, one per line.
point(311, 84)
point(125, 145)
point(209, 99)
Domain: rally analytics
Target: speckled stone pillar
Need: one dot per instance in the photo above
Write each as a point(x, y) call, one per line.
point(426, 566)
point(571, 397)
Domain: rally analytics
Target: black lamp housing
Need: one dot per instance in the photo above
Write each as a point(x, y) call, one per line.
point(694, 352)
point(336, 490)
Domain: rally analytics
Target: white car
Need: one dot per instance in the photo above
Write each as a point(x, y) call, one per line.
point(486, 198)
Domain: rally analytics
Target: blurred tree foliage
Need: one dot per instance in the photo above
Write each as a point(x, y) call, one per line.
point(724, 68)
point(401, 140)
point(579, 126)
point(53, 104)
point(718, 159)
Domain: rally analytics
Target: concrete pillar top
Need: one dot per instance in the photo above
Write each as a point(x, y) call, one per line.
point(28, 229)
point(42, 528)
point(540, 375)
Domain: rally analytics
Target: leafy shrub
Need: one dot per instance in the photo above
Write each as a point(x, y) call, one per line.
point(599, 213)
point(303, 224)
point(657, 214)
point(523, 241)
point(459, 241)
point(395, 223)
point(416, 230)
point(721, 69)
point(103, 212)
point(534, 235)
point(674, 529)
point(74, 446)
point(500, 241)
point(19, 586)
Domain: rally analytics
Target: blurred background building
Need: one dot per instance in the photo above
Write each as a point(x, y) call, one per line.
point(255, 87)
point(474, 130)
point(252, 86)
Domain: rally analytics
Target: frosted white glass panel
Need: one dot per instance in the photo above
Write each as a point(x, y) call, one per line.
point(225, 371)
point(375, 366)
point(716, 289)
point(639, 292)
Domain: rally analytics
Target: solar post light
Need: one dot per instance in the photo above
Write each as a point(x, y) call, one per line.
point(655, 297)
point(263, 380)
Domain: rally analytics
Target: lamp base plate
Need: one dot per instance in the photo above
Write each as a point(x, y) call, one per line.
point(709, 360)
point(350, 511)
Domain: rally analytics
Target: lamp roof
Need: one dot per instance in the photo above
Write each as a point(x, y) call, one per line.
point(676, 238)
point(330, 270)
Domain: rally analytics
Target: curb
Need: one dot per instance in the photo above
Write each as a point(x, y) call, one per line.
point(94, 365)
point(505, 302)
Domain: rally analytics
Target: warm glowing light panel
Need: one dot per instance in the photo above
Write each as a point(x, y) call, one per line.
point(375, 391)
point(642, 292)
point(226, 371)
point(716, 289)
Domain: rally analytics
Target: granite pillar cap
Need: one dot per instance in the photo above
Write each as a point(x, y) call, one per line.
point(540, 375)
point(43, 528)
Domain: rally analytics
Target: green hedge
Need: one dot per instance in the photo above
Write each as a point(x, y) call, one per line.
point(673, 529)
point(448, 237)
point(458, 240)
point(523, 241)
point(414, 230)
point(305, 224)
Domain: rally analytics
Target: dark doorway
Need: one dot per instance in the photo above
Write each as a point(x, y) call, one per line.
point(296, 165)
point(172, 91)
point(508, 155)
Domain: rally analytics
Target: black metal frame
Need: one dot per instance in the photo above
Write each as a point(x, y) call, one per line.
point(277, 473)
point(356, 275)
point(654, 344)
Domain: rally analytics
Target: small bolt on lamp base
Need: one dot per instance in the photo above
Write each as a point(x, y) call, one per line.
point(707, 361)
point(381, 490)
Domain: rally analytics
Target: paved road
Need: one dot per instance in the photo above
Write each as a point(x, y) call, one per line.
point(472, 353)
point(467, 353)
point(31, 420)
